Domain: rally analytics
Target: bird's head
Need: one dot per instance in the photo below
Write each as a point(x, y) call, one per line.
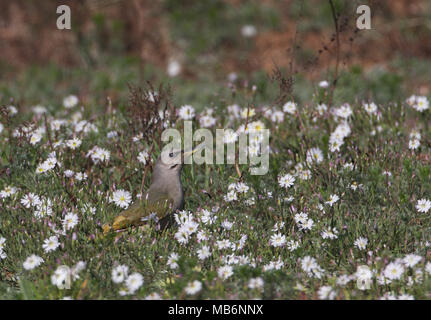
point(171, 160)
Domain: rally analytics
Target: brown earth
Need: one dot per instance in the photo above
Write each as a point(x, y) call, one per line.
point(366, 47)
point(26, 37)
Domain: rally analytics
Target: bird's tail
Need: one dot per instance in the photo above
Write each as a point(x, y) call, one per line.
point(120, 222)
point(130, 217)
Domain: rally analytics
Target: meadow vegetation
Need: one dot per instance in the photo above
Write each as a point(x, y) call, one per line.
point(345, 204)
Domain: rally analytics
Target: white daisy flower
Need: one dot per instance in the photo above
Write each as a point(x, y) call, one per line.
point(314, 155)
point(186, 112)
point(289, 107)
point(286, 181)
point(50, 244)
point(70, 221)
point(207, 121)
point(256, 283)
point(173, 260)
point(73, 143)
point(370, 108)
point(332, 199)
point(229, 136)
point(324, 84)
point(203, 252)
point(7, 192)
point(278, 240)
point(326, 293)
point(30, 200)
point(423, 205)
point(394, 271)
point(411, 260)
point(121, 198)
point(321, 108)
point(32, 262)
point(248, 31)
point(361, 243)
point(119, 273)
point(414, 144)
point(225, 272)
point(61, 277)
point(70, 101)
point(193, 287)
point(174, 68)
point(247, 113)
point(134, 282)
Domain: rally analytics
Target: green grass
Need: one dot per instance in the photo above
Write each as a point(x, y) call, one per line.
point(381, 210)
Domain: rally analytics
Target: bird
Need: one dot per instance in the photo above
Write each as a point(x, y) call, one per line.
point(164, 197)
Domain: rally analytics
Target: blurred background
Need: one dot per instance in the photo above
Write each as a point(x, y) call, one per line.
point(199, 47)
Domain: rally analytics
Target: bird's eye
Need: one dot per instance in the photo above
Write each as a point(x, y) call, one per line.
point(171, 154)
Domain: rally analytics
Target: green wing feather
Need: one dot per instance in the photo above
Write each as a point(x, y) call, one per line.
point(141, 212)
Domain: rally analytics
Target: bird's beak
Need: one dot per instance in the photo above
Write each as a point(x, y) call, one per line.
point(188, 153)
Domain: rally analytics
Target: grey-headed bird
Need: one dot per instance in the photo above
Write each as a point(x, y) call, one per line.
point(163, 198)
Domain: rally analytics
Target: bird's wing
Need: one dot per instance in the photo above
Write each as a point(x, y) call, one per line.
point(141, 212)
